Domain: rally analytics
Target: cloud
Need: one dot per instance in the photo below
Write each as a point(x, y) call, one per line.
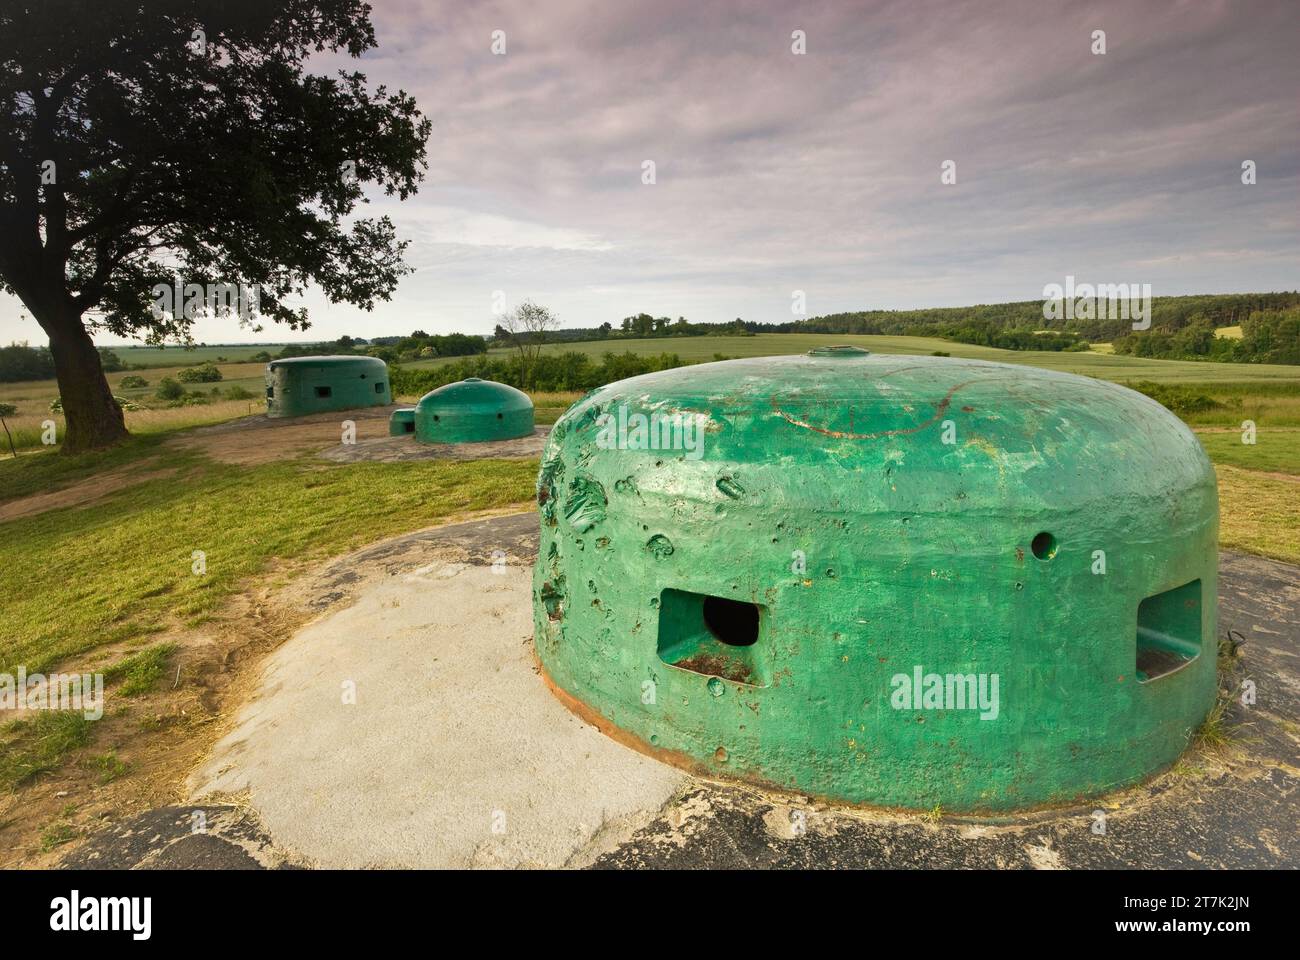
point(431, 226)
point(822, 172)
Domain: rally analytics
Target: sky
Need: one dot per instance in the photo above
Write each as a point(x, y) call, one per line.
point(821, 171)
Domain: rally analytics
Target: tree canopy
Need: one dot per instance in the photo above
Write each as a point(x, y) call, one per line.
point(152, 143)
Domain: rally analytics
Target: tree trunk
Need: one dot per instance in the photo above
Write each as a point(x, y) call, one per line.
point(94, 420)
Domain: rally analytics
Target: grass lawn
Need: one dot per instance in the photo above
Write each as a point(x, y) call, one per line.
point(1259, 513)
point(1275, 450)
point(119, 570)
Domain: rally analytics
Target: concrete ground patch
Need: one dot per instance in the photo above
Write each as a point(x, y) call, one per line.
point(410, 729)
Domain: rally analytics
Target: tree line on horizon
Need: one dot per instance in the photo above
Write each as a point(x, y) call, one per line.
point(1182, 328)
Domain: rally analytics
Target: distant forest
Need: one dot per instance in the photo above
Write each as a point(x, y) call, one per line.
point(1181, 328)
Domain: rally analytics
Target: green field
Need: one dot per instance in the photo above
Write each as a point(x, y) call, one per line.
point(1104, 366)
point(1275, 450)
point(177, 356)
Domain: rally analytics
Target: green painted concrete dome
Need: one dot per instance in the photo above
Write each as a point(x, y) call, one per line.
point(905, 581)
point(472, 411)
point(297, 386)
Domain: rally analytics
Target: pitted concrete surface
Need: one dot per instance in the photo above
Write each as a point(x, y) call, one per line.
point(391, 449)
point(411, 730)
point(453, 734)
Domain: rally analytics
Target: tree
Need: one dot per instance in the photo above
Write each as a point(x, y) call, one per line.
point(188, 130)
point(527, 326)
point(109, 361)
point(8, 410)
point(18, 361)
point(203, 373)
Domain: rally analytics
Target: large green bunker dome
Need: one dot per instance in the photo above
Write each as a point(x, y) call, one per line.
point(904, 581)
point(300, 385)
point(472, 411)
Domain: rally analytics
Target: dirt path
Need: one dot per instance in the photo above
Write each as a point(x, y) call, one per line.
point(80, 493)
point(247, 441)
point(253, 440)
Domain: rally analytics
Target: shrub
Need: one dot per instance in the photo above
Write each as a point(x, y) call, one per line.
point(550, 372)
point(133, 382)
point(18, 361)
point(204, 373)
point(169, 389)
point(56, 405)
point(239, 393)
point(1175, 397)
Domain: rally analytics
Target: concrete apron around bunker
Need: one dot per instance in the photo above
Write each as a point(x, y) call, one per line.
point(408, 726)
point(410, 729)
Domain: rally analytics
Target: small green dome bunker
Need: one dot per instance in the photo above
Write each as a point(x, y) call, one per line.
point(896, 580)
point(402, 422)
point(297, 386)
point(473, 411)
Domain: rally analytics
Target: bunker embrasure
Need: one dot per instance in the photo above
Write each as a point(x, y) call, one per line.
point(297, 386)
point(905, 581)
point(473, 411)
